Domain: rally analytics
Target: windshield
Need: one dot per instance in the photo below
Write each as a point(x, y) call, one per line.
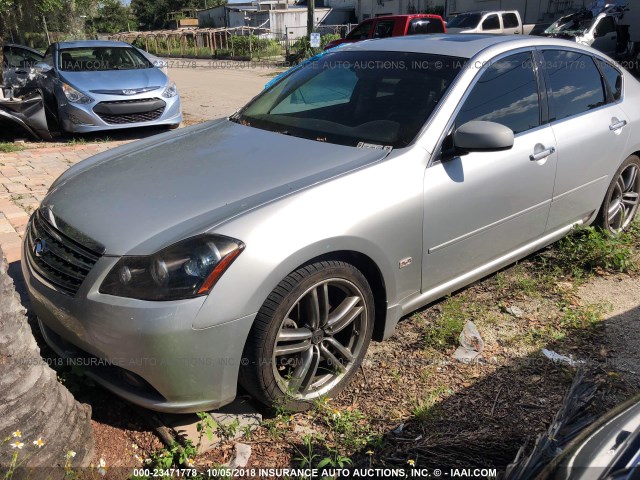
point(349, 98)
point(465, 20)
point(577, 23)
point(91, 59)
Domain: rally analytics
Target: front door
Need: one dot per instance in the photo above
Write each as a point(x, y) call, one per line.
point(483, 205)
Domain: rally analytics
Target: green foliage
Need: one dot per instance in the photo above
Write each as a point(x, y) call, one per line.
point(427, 407)
point(6, 147)
point(590, 249)
point(153, 14)
point(112, 17)
point(444, 331)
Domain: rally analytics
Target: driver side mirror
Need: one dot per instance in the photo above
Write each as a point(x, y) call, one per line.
point(479, 136)
point(42, 67)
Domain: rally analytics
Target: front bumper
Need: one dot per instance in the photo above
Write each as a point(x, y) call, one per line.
point(80, 118)
point(145, 352)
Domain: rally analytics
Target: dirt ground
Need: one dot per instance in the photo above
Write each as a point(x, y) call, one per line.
point(216, 88)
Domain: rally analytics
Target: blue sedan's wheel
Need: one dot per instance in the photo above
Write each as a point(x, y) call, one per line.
point(621, 202)
point(310, 335)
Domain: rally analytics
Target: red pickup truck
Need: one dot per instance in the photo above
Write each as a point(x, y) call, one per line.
point(393, 26)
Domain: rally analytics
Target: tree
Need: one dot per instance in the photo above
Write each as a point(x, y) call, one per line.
point(112, 17)
point(33, 404)
point(152, 14)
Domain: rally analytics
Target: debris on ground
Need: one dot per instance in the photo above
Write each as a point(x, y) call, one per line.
point(241, 455)
point(557, 358)
point(515, 311)
point(471, 344)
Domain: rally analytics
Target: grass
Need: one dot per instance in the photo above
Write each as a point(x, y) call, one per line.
point(427, 408)
point(590, 250)
point(7, 147)
point(444, 331)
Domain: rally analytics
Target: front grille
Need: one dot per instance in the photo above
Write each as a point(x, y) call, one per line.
point(120, 112)
point(59, 260)
point(132, 117)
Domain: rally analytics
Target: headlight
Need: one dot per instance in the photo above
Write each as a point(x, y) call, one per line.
point(184, 270)
point(170, 91)
point(74, 96)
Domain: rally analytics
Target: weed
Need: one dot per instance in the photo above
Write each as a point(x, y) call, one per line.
point(585, 317)
point(590, 249)
point(427, 408)
point(444, 331)
point(6, 147)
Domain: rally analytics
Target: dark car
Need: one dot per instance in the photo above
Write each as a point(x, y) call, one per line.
point(18, 66)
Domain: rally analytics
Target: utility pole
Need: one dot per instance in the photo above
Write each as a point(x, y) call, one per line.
point(311, 6)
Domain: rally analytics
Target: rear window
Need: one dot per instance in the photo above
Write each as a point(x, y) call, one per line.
point(465, 20)
point(419, 26)
point(350, 98)
point(91, 59)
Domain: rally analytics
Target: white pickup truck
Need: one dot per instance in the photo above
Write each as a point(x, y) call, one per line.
point(506, 22)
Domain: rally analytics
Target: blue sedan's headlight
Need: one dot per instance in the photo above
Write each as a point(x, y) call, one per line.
point(184, 270)
point(75, 96)
point(171, 91)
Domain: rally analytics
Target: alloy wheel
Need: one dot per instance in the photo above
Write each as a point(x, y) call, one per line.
point(320, 339)
point(624, 199)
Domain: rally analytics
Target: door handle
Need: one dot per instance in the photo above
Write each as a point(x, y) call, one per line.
point(543, 154)
point(617, 126)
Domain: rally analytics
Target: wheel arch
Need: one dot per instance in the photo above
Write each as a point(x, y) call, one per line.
point(374, 277)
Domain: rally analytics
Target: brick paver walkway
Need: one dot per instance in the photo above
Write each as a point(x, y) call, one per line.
point(25, 177)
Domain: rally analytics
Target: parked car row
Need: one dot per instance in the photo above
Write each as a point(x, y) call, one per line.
point(91, 86)
point(614, 29)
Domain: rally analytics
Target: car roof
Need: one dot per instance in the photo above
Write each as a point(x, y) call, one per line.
point(91, 43)
point(461, 45)
point(410, 16)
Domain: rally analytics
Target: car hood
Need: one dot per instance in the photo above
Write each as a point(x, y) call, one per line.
point(116, 79)
point(149, 194)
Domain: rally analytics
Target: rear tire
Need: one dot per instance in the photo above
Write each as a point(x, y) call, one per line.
point(309, 336)
point(620, 204)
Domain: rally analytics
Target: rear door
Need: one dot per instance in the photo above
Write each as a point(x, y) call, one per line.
point(491, 24)
point(483, 205)
point(511, 23)
point(590, 129)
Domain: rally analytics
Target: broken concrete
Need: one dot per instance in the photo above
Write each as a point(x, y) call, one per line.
point(240, 411)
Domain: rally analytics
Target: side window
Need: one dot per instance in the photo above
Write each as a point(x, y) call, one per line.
point(22, 58)
point(574, 81)
point(492, 22)
point(10, 60)
point(613, 78)
point(606, 25)
point(419, 26)
point(510, 20)
point(384, 29)
point(361, 31)
point(506, 93)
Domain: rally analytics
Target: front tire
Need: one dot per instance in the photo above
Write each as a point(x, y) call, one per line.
point(620, 204)
point(310, 336)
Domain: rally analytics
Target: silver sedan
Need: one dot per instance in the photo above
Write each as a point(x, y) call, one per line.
point(270, 247)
